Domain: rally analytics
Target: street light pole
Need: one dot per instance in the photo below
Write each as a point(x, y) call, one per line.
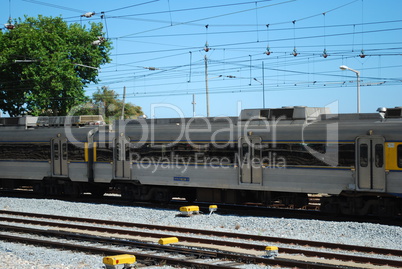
point(344, 67)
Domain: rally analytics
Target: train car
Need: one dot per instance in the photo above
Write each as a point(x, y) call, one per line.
point(266, 155)
point(48, 154)
point(263, 156)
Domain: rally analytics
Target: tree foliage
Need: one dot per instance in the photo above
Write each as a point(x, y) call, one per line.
point(41, 65)
point(106, 102)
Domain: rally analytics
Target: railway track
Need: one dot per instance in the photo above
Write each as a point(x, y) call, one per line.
point(175, 256)
point(143, 259)
point(249, 250)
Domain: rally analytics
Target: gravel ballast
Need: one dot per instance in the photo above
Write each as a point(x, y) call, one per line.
point(364, 234)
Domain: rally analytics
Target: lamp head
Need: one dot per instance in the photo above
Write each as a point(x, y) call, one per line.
point(343, 67)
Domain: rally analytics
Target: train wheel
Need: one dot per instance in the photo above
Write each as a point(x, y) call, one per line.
point(127, 192)
point(98, 191)
point(39, 189)
point(72, 190)
point(191, 196)
point(162, 195)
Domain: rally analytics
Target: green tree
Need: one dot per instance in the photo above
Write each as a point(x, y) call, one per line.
point(107, 103)
point(45, 64)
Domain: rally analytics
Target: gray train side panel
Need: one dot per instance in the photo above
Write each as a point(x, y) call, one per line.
point(103, 172)
point(25, 170)
point(331, 181)
point(202, 176)
point(394, 182)
point(78, 172)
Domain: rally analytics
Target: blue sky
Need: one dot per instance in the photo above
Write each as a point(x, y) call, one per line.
point(169, 36)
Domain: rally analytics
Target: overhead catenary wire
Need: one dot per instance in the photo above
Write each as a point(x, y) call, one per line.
point(80, 11)
point(232, 13)
point(226, 69)
point(207, 18)
point(131, 6)
point(191, 9)
point(272, 69)
point(226, 45)
point(226, 5)
point(193, 33)
point(239, 53)
point(272, 88)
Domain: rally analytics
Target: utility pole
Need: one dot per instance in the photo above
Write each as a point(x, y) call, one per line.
point(124, 101)
point(206, 83)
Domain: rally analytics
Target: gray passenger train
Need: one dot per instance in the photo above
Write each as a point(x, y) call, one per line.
point(263, 156)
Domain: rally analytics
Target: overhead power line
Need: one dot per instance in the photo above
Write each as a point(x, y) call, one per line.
point(208, 18)
point(192, 33)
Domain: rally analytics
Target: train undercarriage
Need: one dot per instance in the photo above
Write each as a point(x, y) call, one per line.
point(347, 203)
point(362, 204)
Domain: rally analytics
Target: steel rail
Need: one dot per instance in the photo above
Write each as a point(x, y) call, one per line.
point(107, 251)
point(251, 237)
point(246, 246)
point(193, 253)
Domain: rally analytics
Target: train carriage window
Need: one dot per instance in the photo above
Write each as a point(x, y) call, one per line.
point(127, 151)
point(399, 156)
point(76, 152)
point(363, 155)
point(346, 154)
point(118, 158)
point(294, 153)
point(245, 148)
point(257, 152)
point(104, 152)
point(223, 153)
point(134, 151)
point(185, 153)
point(163, 150)
point(25, 151)
point(320, 148)
point(56, 150)
point(64, 150)
point(379, 155)
point(305, 154)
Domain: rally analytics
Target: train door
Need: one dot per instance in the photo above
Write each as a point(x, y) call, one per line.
point(250, 160)
point(370, 163)
point(122, 158)
point(59, 157)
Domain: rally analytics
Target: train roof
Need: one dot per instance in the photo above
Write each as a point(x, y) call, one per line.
point(289, 122)
point(43, 134)
point(295, 113)
point(51, 121)
point(284, 115)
